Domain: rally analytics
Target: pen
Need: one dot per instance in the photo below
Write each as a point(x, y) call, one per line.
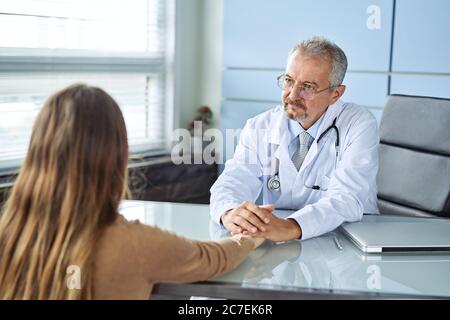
point(338, 243)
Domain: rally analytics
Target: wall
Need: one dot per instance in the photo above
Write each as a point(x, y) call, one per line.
point(198, 58)
point(211, 56)
point(393, 46)
point(421, 53)
point(187, 39)
point(256, 47)
point(223, 45)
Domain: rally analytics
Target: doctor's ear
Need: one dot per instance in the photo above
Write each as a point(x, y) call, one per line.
point(338, 93)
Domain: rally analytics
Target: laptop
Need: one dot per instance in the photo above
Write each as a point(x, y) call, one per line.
point(384, 234)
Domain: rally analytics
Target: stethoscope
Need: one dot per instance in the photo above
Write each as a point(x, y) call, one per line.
point(274, 182)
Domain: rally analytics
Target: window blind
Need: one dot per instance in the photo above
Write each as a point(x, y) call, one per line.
point(118, 45)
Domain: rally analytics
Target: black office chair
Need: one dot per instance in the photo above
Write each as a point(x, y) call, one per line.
point(414, 173)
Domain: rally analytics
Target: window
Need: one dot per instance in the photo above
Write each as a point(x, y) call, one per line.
point(121, 46)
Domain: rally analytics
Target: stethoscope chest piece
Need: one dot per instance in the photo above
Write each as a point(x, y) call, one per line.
point(274, 183)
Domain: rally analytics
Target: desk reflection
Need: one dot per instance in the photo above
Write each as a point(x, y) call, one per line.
point(316, 263)
point(319, 264)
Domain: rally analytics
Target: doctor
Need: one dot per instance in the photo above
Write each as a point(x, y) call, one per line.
point(314, 154)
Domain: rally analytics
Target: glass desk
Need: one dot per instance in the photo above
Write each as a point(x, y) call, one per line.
point(318, 268)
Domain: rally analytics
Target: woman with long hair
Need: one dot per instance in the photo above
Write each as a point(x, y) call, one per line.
point(63, 212)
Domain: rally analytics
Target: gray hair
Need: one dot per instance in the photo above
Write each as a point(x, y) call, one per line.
point(323, 48)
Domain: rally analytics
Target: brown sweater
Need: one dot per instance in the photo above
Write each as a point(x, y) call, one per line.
point(131, 257)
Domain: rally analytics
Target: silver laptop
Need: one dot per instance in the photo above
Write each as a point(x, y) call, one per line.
point(380, 234)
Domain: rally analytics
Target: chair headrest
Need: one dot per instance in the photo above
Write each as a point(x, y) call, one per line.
point(420, 123)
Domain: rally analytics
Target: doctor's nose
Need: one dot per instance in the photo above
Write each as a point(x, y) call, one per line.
point(294, 94)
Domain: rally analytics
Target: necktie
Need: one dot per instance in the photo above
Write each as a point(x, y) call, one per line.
point(300, 154)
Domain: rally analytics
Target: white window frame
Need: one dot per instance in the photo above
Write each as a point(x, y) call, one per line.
point(19, 60)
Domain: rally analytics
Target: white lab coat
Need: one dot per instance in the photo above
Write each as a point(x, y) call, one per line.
point(349, 182)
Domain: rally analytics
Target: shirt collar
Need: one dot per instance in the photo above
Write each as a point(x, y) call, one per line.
point(295, 128)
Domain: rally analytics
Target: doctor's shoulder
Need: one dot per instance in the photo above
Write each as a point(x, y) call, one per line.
point(357, 120)
point(265, 119)
point(355, 114)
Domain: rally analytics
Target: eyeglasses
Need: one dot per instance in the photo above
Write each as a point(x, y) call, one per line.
point(307, 91)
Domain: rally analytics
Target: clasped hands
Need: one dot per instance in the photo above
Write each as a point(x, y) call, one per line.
point(259, 222)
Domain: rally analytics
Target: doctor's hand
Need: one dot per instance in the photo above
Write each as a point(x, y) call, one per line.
point(279, 229)
point(248, 216)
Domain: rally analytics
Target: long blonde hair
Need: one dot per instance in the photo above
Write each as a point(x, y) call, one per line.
point(67, 191)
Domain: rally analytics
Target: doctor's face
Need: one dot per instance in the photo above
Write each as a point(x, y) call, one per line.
point(308, 72)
